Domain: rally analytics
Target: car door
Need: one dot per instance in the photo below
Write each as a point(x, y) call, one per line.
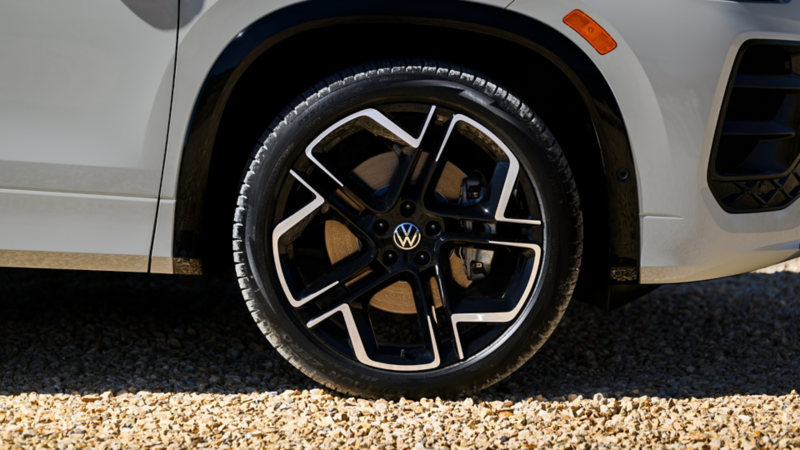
point(85, 89)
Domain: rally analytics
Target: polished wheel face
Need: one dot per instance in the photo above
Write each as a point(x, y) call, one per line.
point(406, 237)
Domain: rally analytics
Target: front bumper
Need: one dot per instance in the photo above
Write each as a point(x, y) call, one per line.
point(669, 74)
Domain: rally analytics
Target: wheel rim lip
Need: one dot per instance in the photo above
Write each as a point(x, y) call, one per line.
point(526, 303)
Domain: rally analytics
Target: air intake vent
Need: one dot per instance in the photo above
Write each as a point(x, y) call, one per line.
point(755, 157)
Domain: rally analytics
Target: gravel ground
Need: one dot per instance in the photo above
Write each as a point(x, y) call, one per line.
point(137, 361)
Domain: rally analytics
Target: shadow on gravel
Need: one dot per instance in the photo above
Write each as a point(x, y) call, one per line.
point(63, 331)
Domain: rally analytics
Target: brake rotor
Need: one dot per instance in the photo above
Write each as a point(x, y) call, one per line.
point(377, 173)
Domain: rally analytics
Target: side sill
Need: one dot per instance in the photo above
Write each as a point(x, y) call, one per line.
point(73, 261)
point(177, 266)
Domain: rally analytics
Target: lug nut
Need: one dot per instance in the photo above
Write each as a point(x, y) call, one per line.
point(422, 258)
point(407, 209)
point(381, 227)
point(433, 228)
point(390, 257)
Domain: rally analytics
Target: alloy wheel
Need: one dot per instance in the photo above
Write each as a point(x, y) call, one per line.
point(407, 251)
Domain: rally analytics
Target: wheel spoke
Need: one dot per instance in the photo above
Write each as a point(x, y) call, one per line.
point(423, 299)
point(503, 239)
point(340, 190)
point(501, 185)
point(358, 325)
point(340, 275)
point(414, 168)
point(362, 336)
point(446, 311)
point(347, 205)
point(424, 167)
point(405, 168)
point(361, 286)
point(495, 310)
point(380, 125)
point(289, 227)
point(284, 227)
point(358, 328)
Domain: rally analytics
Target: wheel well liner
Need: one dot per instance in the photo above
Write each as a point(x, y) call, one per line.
point(272, 44)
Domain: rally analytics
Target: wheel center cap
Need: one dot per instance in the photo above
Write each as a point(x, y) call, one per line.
point(407, 236)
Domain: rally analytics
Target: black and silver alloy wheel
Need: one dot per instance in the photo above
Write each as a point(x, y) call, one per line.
point(407, 230)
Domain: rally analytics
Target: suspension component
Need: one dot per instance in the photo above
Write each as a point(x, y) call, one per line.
point(473, 188)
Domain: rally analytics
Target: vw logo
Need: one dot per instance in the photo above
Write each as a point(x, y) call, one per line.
point(407, 236)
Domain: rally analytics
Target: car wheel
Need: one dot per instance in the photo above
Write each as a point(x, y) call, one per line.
point(407, 229)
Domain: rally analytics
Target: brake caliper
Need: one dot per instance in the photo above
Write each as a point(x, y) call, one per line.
point(477, 262)
point(473, 188)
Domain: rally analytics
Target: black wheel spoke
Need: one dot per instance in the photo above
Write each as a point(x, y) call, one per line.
point(355, 309)
point(501, 306)
point(353, 289)
point(361, 336)
point(340, 275)
point(426, 314)
point(336, 197)
point(481, 198)
point(404, 145)
point(512, 236)
point(408, 159)
point(359, 290)
point(445, 312)
point(364, 332)
point(425, 166)
point(337, 184)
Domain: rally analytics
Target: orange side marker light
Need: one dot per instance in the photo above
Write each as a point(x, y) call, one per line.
point(591, 31)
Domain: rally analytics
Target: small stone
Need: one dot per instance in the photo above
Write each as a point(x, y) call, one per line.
point(745, 419)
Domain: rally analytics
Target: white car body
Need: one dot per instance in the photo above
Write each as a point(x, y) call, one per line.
point(97, 100)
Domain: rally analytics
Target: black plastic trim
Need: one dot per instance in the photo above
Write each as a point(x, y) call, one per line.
point(789, 83)
point(766, 86)
point(623, 201)
point(766, 130)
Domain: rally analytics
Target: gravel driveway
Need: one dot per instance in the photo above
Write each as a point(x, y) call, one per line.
point(137, 361)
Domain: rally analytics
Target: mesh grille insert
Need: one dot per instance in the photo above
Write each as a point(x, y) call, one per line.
point(756, 152)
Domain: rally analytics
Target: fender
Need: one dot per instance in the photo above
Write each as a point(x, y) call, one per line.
point(260, 36)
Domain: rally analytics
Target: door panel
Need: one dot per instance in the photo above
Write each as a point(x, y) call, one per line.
point(85, 90)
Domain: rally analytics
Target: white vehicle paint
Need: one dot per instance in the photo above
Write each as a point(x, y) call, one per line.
point(669, 74)
point(85, 91)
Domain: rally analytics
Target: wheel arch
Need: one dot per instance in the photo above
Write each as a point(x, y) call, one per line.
point(265, 54)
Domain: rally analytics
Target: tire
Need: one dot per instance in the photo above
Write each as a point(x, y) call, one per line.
point(380, 245)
